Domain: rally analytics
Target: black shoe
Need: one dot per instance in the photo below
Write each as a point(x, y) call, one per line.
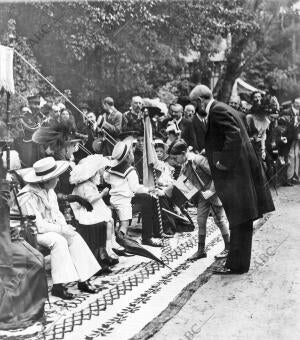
point(152, 242)
point(164, 235)
point(198, 256)
point(62, 292)
point(226, 271)
point(112, 262)
point(86, 287)
point(103, 271)
point(121, 252)
point(288, 184)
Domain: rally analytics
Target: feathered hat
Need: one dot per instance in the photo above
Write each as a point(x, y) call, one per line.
point(57, 136)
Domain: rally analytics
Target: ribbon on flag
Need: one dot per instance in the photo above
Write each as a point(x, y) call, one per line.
point(6, 69)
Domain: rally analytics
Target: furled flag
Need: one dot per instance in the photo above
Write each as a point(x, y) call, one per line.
point(150, 160)
point(6, 69)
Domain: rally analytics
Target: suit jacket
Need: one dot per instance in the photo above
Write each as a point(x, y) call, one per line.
point(243, 187)
point(111, 123)
point(199, 131)
point(187, 131)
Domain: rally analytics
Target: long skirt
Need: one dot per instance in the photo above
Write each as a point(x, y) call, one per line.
point(94, 236)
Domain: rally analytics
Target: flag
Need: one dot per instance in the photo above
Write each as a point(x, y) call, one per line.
point(150, 160)
point(6, 69)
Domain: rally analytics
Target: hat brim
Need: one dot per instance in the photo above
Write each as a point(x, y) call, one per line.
point(115, 162)
point(31, 177)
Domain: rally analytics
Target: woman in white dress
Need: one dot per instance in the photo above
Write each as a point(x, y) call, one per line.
point(95, 226)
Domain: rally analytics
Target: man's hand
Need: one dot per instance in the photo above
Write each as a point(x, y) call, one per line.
point(220, 166)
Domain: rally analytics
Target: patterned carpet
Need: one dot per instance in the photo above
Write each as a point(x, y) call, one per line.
point(129, 298)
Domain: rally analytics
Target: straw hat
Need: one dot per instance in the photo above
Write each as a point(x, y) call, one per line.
point(87, 168)
point(120, 152)
point(45, 169)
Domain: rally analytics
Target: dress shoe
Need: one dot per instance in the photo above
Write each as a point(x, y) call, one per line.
point(62, 292)
point(122, 252)
point(86, 287)
point(164, 235)
point(222, 255)
point(112, 261)
point(226, 271)
point(295, 180)
point(198, 255)
point(152, 242)
point(288, 184)
point(103, 271)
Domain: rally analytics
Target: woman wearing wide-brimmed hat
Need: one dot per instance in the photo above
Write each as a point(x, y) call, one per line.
point(71, 258)
point(95, 224)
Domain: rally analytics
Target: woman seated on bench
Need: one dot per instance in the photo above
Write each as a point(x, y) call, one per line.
point(71, 258)
point(95, 226)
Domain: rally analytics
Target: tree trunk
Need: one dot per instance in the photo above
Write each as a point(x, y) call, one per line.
point(231, 71)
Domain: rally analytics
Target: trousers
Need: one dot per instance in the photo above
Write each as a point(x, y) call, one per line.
point(239, 256)
point(214, 206)
point(293, 159)
point(71, 258)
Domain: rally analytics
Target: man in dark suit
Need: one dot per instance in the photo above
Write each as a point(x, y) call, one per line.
point(110, 124)
point(238, 175)
point(199, 122)
point(184, 125)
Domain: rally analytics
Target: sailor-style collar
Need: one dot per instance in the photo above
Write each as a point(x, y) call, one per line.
point(117, 171)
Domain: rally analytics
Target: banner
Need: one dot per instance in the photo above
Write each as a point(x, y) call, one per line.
point(150, 160)
point(6, 69)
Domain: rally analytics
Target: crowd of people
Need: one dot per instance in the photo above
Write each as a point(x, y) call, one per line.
point(81, 177)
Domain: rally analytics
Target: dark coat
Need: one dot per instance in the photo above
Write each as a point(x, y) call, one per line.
point(200, 131)
point(243, 187)
point(187, 131)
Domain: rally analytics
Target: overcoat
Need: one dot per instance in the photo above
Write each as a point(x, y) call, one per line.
point(243, 187)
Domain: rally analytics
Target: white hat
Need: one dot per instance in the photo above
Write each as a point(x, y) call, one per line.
point(120, 152)
point(45, 169)
point(61, 106)
point(172, 128)
point(87, 168)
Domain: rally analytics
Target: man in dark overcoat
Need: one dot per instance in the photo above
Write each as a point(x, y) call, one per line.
point(238, 175)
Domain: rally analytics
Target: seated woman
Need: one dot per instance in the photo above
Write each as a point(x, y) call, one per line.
point(71, 258)
point(93, 225)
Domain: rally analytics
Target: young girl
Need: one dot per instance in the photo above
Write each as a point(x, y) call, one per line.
point(167, 171)
point(93, 225)
point(124, 183)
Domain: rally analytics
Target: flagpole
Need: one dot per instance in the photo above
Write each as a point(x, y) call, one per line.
point(161, 230)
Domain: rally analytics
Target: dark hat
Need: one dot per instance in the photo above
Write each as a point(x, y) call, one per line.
point(131, 133)
point(153, 111)
point(177, 147)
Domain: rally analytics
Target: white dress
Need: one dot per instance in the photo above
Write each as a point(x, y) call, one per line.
point(100, 212)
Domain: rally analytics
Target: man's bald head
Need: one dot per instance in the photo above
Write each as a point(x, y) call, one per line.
point(202, 92)
point(200, 96)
